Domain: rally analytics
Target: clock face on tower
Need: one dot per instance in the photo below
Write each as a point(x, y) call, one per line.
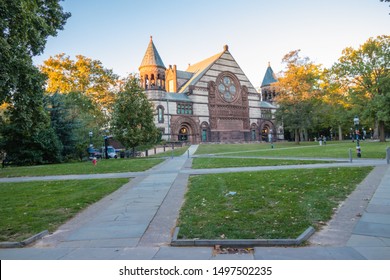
point(227, 89)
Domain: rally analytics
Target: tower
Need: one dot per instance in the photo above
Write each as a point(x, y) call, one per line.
point(268, 91)
point(152, 69)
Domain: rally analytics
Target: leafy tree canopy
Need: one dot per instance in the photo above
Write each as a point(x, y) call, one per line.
point(299, 89)
point(24, 28)
point(132, 119)
point(27, 136)
point(83, 75)
point(365, 71)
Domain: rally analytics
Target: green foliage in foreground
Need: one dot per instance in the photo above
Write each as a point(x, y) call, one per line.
point(272, 204)
point(29, 208)
point(103, 166)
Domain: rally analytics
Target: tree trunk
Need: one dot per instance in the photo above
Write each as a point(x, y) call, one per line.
point(376, 130)
point(340, 133)
point(382, 137)
point(296, 136)
point(301, 135)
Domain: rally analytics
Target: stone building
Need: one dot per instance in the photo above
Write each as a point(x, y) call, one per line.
point(212, 101)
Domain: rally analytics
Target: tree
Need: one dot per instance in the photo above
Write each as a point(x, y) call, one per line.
point(83, 75)
point(26, 134)
point(63, 125)
point(299, 90)
point(336, 102)
point(73, 116)
point(366, 73)
point(25, 26)
point(385, 1)
point(132, 119)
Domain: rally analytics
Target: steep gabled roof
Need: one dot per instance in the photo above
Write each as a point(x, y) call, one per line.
point(199, 69)
point(269, 77)
point(152, 56)
point(184, 75)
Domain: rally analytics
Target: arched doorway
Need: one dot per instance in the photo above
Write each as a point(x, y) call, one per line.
point(204, 129)
point(183, 133)
point(264, 133)
point(184, 128)
point(268, 132)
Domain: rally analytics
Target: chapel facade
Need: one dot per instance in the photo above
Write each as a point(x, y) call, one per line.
point(211, 101)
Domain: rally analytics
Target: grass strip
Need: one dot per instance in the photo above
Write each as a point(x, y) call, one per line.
point(202, 163)
point(29, 208)
point(264, 205)
point(177, 152)
point(333, 149)
point(86, 167)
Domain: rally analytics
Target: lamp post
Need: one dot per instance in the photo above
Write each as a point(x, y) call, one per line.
point(90, 148)
point(358, 150)
point(90, 138)
point(270, 138)
point(106, 147)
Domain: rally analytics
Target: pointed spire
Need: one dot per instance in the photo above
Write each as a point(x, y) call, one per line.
point(152, 56)
point(269, 77)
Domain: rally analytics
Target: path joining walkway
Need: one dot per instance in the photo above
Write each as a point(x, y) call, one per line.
point(136, 222)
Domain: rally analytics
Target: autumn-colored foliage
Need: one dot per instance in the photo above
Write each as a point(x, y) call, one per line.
point(84, 75)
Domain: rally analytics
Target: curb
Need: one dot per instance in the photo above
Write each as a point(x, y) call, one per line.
point(242, 242)
point(25, 242)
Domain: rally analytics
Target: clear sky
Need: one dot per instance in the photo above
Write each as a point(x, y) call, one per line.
point(117, 32)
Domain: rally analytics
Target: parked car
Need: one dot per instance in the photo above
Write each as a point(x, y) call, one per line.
point(94, 153)
point(110, 152)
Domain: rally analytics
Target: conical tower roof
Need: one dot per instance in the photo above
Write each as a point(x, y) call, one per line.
point(269, 77)
point(151, 56)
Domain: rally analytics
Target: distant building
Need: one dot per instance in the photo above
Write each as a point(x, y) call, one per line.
point(212, 101)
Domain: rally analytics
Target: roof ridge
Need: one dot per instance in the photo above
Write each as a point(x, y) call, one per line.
point(199, 68)
point(203, 63)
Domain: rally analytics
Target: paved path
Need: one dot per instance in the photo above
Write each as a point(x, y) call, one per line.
point(136, 221)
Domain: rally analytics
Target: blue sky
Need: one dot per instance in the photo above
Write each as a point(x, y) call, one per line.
point(117, 32)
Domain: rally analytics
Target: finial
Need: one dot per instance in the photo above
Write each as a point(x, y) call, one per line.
point(269, 64)
point(226, 48)
point(151, 38)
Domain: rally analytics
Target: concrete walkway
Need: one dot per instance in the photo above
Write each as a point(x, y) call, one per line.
point(136, 222)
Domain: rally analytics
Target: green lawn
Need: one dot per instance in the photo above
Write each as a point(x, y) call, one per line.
point(29, 208)
point(200, 163)
point(176, 152)
point(334, 149)
point(271, 204)
point(103, 166)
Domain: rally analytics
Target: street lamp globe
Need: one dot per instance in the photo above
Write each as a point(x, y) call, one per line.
point(356, 120)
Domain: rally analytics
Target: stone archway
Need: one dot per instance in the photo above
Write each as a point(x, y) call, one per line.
point(183, 133)
point(185, 129)
point(267, 130)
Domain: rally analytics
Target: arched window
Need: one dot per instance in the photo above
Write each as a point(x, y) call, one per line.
point(160, 114)
point(146, 82)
